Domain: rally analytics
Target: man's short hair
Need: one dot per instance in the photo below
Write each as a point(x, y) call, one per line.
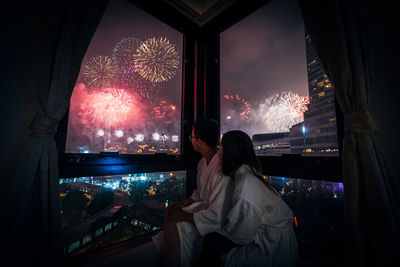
point(207, 130)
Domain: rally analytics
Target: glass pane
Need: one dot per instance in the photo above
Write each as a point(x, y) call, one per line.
point(318, 208)
point(273, 86)
point(99, 211)
point(127, 97)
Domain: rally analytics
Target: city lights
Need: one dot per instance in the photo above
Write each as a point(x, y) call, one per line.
point(303, 129)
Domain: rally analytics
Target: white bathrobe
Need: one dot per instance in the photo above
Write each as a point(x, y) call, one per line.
point(213, 200)
point(261, 222)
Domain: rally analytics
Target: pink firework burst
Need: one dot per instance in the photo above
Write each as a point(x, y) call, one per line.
point(299, 104)
point(109, 107)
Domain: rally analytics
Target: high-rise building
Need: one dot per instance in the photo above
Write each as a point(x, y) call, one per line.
point(317, 134)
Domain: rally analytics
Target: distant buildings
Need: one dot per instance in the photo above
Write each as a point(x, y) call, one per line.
point(270, 144)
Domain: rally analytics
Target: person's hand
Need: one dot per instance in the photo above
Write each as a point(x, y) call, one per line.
point(174, 204)
point(178, 215)
point(187, 202)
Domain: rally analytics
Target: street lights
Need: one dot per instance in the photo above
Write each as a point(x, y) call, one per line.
point(304, 131)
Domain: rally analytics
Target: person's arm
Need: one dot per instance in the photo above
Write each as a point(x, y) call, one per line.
point(243, 222)
point(220, 202)
point(196, 192)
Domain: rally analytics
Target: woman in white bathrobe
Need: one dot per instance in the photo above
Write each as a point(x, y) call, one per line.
point(260, 222)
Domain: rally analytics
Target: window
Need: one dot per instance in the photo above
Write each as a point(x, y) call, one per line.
point(273, 86)
point(123, 145)
point(99, 211)
point(127, 97)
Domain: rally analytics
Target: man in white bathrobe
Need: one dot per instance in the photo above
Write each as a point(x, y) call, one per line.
point(207, 208)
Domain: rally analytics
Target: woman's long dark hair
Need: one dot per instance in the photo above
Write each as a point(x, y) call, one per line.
point(237, 149)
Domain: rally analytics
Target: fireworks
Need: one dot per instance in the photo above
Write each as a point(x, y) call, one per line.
point(119, 133)
point(109, 107)
point(100, 72)
point(123, 54)
point(279, 112)
point(156, 136)
point(156, 60)
point(164, 137)
point(234, 105)
point(100, 132)
point(165, 112)
point(175, 138)
point(139, 137)
point(129, 140)
point(138, 85)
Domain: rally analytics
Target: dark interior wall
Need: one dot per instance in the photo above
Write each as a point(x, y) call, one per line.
point(385, 93)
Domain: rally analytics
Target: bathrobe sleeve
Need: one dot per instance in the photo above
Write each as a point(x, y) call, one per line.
point(220, 202)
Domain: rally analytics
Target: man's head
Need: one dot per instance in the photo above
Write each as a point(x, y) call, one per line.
point(205, 132)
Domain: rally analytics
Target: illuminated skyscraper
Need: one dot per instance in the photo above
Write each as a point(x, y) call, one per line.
point(318, 132)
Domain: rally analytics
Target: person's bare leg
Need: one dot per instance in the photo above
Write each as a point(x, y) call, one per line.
point(171, 255)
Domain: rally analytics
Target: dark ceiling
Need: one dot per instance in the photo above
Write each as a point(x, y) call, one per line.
point(200, 11)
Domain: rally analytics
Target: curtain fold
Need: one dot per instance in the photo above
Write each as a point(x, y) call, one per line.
point(339, 32)
point(63, 30)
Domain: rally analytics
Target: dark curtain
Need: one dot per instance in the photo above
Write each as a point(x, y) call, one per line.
point(53, 37)
point(339, 32)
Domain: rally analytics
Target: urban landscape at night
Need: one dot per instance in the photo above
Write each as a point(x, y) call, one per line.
point(103, 210)
point(100, 211)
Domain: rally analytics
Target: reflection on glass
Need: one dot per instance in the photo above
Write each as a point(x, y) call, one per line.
point(319, 216)
point(99, 211)
point(127, 97)
point(273, 86)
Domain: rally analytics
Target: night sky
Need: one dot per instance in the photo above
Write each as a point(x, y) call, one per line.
point(121, 20)
point(265, 52)
point(261, 55)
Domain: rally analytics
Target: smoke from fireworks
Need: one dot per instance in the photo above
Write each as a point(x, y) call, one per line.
point(100, 72)
point(156, 60)
point(281, 111)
